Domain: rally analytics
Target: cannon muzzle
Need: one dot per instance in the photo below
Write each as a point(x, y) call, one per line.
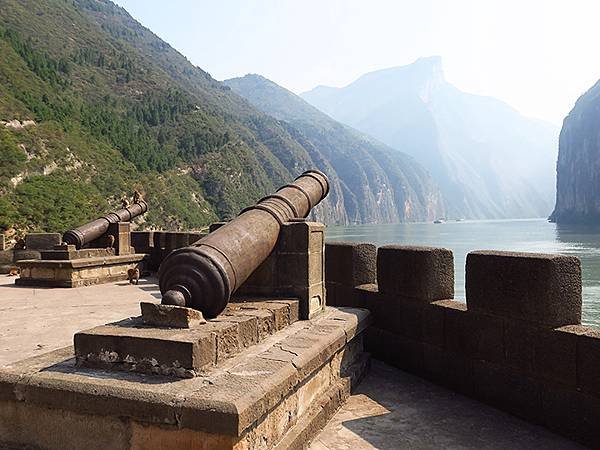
point(91, 231)
point(206, 274)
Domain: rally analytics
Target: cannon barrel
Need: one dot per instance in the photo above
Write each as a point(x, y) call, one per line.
point(93, 230)
point(204, 275)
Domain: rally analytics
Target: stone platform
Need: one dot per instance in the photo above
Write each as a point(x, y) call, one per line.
point(276, 393)
point(84, 271)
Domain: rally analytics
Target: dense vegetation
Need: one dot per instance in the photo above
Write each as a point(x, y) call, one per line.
point(117, 109)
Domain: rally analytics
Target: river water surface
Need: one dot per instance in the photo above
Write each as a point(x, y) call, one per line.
point(527, 235)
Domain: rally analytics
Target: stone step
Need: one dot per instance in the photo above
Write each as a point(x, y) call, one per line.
point(277, 392)
point(132, 345)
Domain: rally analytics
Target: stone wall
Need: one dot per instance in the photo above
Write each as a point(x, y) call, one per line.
point(517, 343)
point(34, 244)
point(158, 244)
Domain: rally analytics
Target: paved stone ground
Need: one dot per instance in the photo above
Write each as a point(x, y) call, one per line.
point(392, 409)
point(37, 320)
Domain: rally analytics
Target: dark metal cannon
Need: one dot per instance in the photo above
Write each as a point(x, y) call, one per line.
point(91, 231)
point(206, 274)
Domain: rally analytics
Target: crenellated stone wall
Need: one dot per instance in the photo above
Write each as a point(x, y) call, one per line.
point(158, 244)
point(517, 343)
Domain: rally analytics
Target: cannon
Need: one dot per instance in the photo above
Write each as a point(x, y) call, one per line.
point(205, 275)
point(91, 231)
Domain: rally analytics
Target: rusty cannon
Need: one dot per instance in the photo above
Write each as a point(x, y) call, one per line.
point(93, 230)
point(206, 274)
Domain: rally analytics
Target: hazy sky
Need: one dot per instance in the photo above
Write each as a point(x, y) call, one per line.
point(537, 55)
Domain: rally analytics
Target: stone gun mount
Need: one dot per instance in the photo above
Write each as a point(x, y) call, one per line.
point(206, 274)
point(91, 231)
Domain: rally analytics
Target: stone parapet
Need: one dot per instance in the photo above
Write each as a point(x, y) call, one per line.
point(348, 265)
point(517, 343)
point(158, 244)
point(42, 241)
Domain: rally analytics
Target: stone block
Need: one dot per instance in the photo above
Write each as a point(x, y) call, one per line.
point(20, 255)
point(542, 289)
point(561, 409)
point(340, 295)
point(455, 316)
point(6, 257)
point(433, 324)
point(42, 241)
point(247, 328)
point(228, 341)
point(452, 370)
point(399, 351)
point(265, 320)
point(588, 360)
point(556, 354)
point(422, 273)
point(508, 389)
point(311, 299)
point(142, 241)
point(368, 294)
point(170, 316)
point(121, 231)
point(350, 263)
point(302, 236)
point(387, 314)
point(175, 240)
point(520, 344)
point(129, 345)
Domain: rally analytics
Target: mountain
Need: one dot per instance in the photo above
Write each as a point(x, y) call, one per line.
point(378, 184)
point(489, 160)
point(578, 168)
point(93, 105)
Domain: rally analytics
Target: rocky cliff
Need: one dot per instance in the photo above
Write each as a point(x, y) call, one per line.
point(578, 168)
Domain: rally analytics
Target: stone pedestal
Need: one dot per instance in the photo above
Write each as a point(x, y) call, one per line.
point(122, 234)
point(275, 395)
point(177, 346)
point(70, 268)
point(295, 268)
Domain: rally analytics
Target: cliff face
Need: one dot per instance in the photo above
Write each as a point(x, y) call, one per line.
point(578, 168)
point(374, 183)
point(488, 160)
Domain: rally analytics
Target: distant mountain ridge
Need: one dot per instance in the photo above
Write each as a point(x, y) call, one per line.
point(489, 161)
point(379, 184)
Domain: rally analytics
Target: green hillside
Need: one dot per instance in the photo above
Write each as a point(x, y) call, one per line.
point(93, 105)
point(117, 109)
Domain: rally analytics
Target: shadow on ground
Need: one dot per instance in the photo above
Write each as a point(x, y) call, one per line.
point(392, 409)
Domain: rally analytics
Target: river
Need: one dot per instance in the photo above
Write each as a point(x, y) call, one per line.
point(526, 235)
